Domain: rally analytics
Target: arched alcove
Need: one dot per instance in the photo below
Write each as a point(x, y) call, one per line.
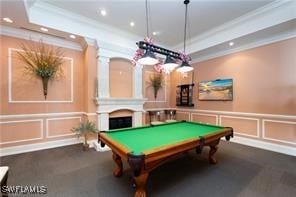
point(121, 78)
point(121, 113)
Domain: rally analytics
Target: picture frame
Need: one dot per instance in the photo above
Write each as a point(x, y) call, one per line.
point(216, 90)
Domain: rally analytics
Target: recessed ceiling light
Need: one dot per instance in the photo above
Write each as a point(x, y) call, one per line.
point(8, 20)
point(72, 36)
point(231, 43)
point(103, 12)
point(155, 33)
point(132, 24)
point(44, 29)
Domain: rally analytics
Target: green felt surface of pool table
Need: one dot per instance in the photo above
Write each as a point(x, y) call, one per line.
point(141, 139)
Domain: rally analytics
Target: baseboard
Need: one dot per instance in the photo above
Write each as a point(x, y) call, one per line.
point(288, 150)
point(38, 146)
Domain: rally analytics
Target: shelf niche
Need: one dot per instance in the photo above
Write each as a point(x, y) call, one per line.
point(184, 95)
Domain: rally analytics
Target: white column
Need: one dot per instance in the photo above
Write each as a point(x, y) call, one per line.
point(137, 83)
point(104, 121)
point(137, 119)
point(103, 77)
point(103, 125)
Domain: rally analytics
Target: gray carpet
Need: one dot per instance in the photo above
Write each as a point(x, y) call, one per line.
point(241, 171)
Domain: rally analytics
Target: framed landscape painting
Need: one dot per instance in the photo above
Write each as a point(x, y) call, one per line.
point(217, 90)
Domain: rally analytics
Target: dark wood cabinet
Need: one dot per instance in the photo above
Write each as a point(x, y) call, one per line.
point(184, 95)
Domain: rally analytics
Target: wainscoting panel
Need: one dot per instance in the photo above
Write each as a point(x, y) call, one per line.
point(279, 131)
point(60, 127)
point(242, 125)
point(20, 131)
point(204, 118)
point(180, 115)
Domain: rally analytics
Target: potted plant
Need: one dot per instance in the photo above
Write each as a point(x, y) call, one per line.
point(156, 83)
point(84, 129)
point(42, 61)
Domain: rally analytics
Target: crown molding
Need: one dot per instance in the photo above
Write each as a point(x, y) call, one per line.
point(267, 16)
point(252, 45)
point(85, 42)
point(45, 14)
point(34, 36)
point(110, 51)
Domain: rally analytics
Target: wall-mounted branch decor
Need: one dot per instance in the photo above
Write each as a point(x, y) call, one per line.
point(156, 82)
point(41, 61)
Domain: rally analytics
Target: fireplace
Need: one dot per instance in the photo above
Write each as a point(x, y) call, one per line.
point(120, 122)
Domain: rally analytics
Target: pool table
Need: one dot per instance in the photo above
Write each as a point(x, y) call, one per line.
point(145, 148)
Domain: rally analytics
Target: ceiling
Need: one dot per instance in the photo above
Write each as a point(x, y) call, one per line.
point(16, 10)
point(211, 23)
point(165, 16)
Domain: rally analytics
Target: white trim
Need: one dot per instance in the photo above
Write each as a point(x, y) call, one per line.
point(108, 105)
point(202, 114)
point(182, 112)
point(248, 46)
point(158, 109)
point(9, 74)
point(89, 114)
point(21, 121)
point(265, 145)
point(10, 100)
point(85, 42)
point(243, 118)
point(258, 115)
point(114, 51)
point(37, 146)
point(45, 14)
point(165, 90)
point(264, 17)
point(34, 36)
point(272, 139)
point(43, 115)
point(62, 135)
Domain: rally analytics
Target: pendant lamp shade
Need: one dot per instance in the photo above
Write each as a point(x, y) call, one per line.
point(169, 64)
point(185, 67)
point(148, 58)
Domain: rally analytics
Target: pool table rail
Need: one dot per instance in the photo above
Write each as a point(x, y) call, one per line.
point(115, 146)
point(143, 163)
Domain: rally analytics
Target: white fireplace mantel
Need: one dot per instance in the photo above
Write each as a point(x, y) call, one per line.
point(108, 105)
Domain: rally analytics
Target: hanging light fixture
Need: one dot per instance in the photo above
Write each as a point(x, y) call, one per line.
point(170, 64)
point(148, 58)
point(185, 66)
point(145, 54)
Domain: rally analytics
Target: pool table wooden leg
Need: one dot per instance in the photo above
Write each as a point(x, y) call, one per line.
point(213, 150)
point(117, 172)
point(140, 183)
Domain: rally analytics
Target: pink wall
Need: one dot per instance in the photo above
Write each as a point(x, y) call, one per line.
point(263, 108)
point(264, 92)
point(27, 117)
point(163, 96)
point(264, 79)
point(121, 78)
point(57, 90)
